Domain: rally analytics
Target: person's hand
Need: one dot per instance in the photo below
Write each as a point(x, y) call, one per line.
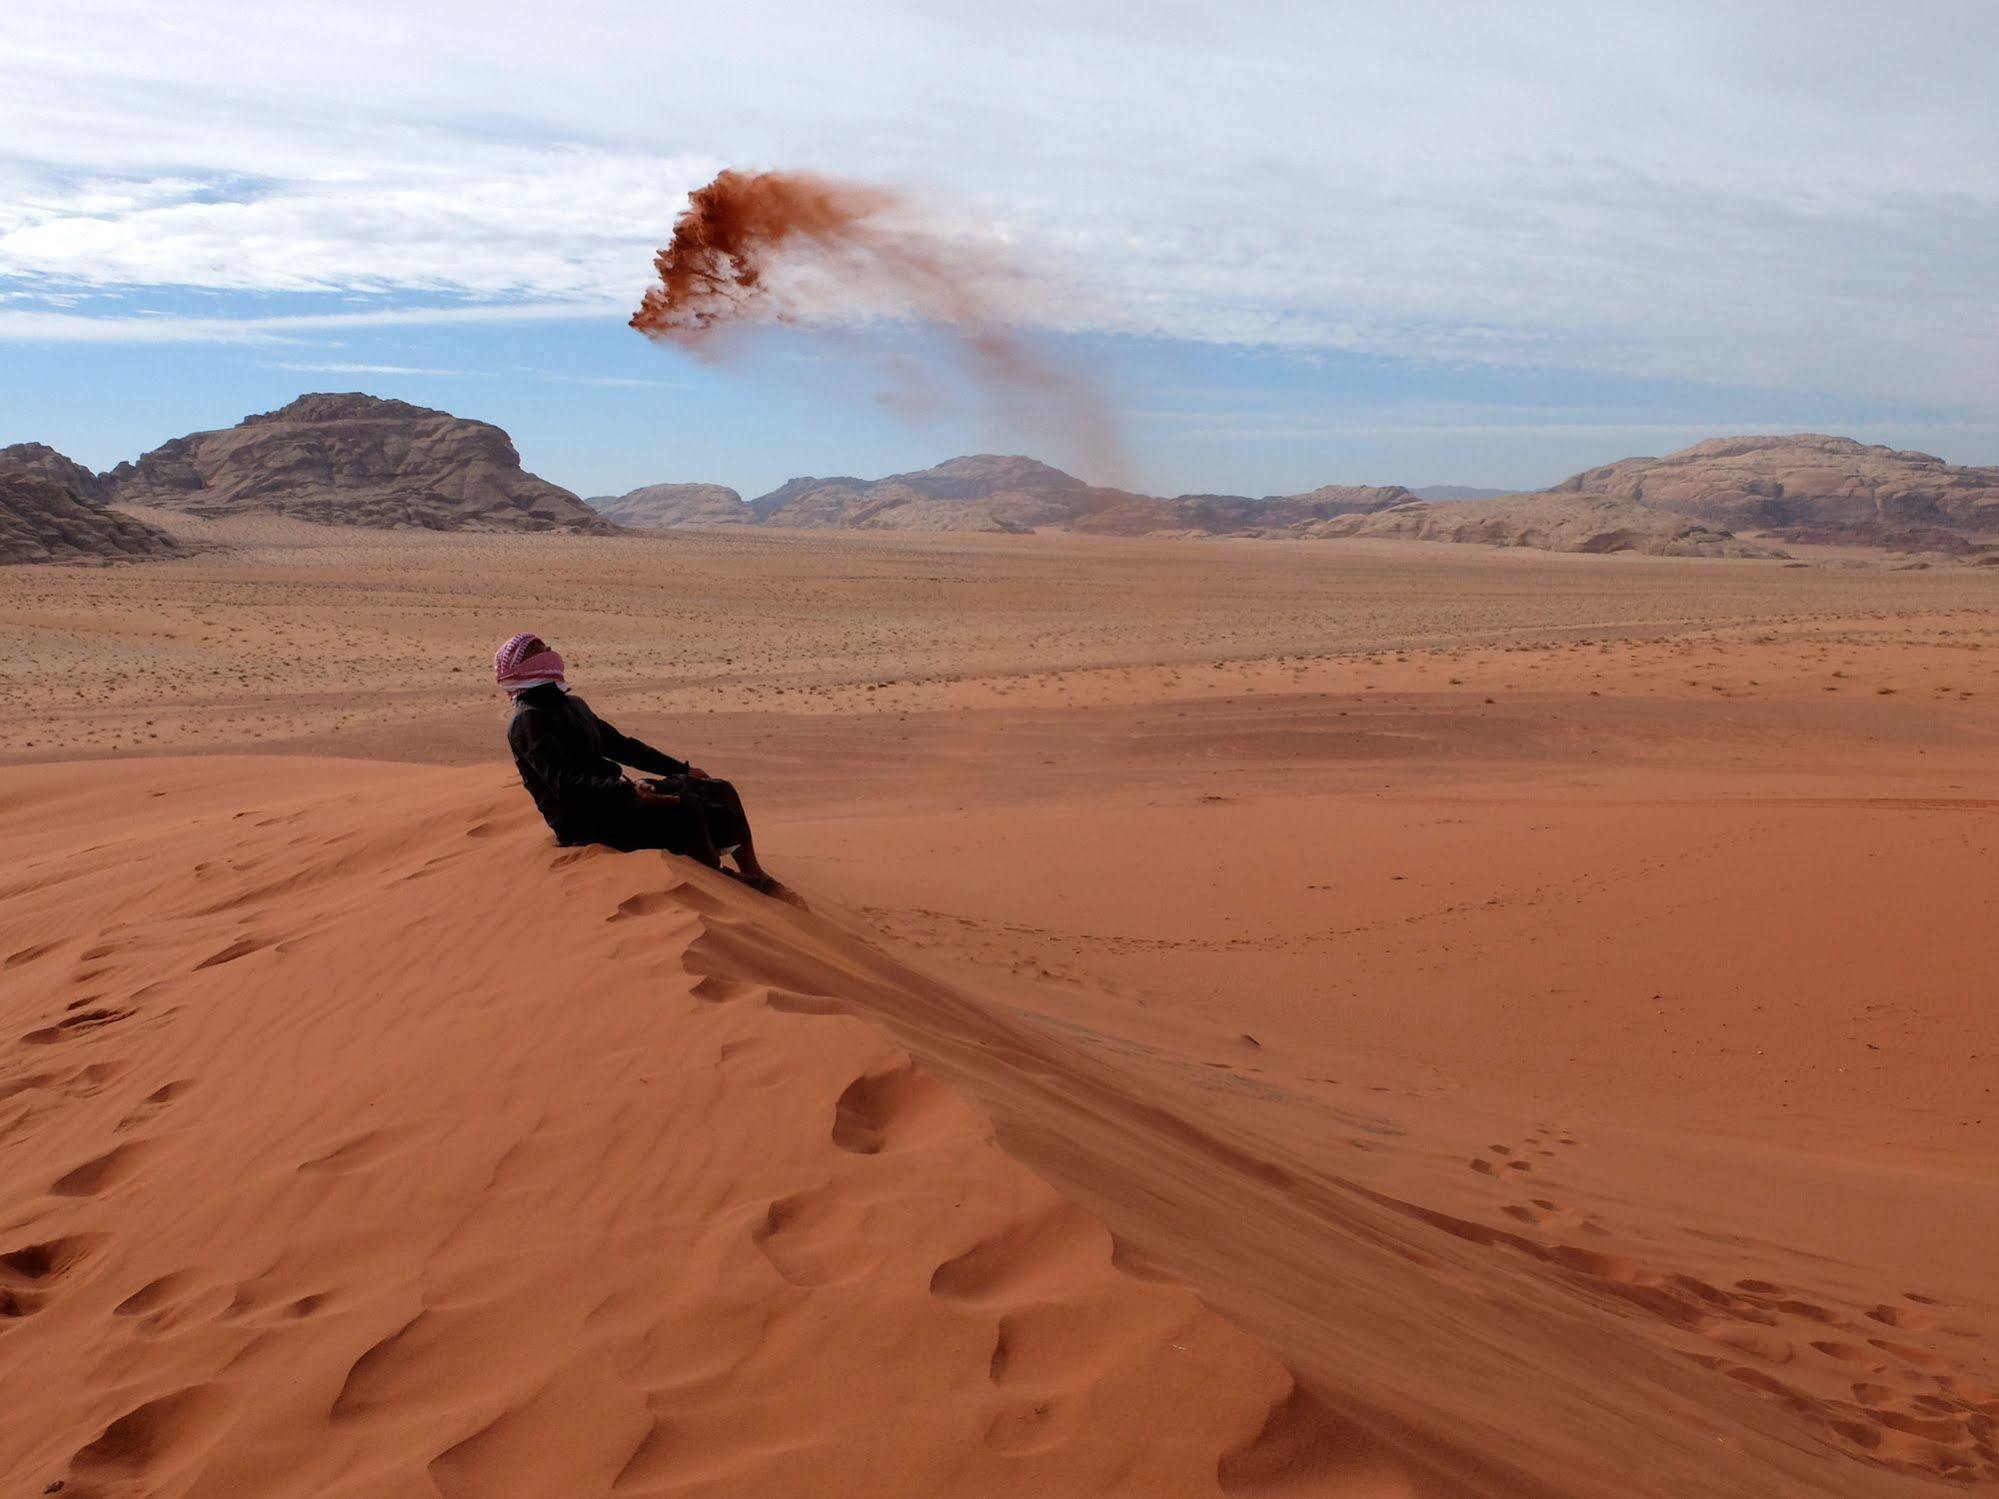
point(696, 773)
point(648, 792)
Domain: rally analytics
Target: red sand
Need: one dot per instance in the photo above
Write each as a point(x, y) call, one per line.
point(1563, 1071)
point(801, 247)
point(384, 1150)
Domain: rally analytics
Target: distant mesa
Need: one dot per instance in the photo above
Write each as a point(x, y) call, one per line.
point(355, 460)
point(1812, 488)
point(1803, 488)
point(982, 492)
point(987, 492)
point(42, 520)
point(1549, 523)
point(991, 493)
point(659, 507)
point(1239, 515)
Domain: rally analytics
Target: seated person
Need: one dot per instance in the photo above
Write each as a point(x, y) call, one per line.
point(568, 758)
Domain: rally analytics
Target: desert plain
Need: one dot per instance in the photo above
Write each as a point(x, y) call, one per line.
point(1347, 1018)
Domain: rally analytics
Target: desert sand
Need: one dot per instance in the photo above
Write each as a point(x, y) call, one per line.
point(1315, 1019)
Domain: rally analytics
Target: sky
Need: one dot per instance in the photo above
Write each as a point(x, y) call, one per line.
point(1288, 243)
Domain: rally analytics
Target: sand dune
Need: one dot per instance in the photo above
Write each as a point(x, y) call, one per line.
point(388, 1150)
point(1493, 1026)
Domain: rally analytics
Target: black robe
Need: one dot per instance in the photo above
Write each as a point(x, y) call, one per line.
point(568, 758)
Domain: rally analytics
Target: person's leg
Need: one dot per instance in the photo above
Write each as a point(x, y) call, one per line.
point(675, 828)
point(729, 826)
point(729, 823)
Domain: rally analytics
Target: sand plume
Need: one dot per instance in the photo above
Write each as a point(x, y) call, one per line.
point(805, 249)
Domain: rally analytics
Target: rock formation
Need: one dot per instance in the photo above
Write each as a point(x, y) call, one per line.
point(1810, 487)
point(355, 460)
point(989, 492)
point(1457, 492)
point(43, 521)
point(43, 461)
point(360, 460)
point(1549, 523)
point(983, 492)
point(662, 506)
point(1239, 515)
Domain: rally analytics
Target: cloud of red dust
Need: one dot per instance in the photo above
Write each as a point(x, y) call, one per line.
point(797, 247)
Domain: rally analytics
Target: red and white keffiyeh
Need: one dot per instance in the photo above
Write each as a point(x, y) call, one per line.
point(525, 661)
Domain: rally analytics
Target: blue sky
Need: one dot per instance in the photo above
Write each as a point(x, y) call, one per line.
point(1290, 244)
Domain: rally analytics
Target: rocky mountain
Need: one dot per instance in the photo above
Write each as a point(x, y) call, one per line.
point(662, 506)
point(360, 460)
point(1549, 523)
point(355, 460)
point(1458, 492)
point(43, 521)
point(1802, 488)
point(1238, 515)
point(43, 461)
point(991, 493)
point(1810, 487)
point(982, 492)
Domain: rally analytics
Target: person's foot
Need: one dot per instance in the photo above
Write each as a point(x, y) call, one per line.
point(761, 882)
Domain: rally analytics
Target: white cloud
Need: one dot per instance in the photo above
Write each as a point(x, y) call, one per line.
point(21, 326)
point(366, 369)
point(1704, 190)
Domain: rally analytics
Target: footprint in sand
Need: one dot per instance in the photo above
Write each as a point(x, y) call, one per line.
point(31, 1274)
point(242, 947)
point(1850, 1353)
point(1507, 1160)
point(1922, 1358)
point(1749, 1337)
point(149, 1107)
point(103, 1172)
point(169, 1300)
point(1902, 1317)
point(816, 1238)
point(151, 1435)
point(1026, 1261)
point(1304, 1447)
point(27, 955)
point(359, 1153)
point(1538, 1211)
point(79, 1024)
point(899, 1108)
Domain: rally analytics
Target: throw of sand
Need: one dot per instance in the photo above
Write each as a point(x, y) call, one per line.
point(1344, 1019)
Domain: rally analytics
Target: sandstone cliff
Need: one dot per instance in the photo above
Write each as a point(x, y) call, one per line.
point(1549, 523)
point(43, 521)
point(355, 460)
point(44, 462)
point(1811, 487)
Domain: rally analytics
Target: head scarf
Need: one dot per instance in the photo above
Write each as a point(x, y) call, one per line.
point(525, 661)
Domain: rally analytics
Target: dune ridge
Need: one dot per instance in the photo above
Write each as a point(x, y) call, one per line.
point(360, 1141)
point(388, 1150)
